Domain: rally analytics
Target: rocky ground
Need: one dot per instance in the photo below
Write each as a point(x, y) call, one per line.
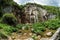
point(27, 35)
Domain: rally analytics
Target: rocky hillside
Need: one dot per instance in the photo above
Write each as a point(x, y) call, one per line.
point(35, 16)
point(30, 12)
point(37, 13)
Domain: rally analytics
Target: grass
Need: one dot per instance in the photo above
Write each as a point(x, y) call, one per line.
point(52, 24)
point(41, 27)
point(6, 30)
point(38, 28)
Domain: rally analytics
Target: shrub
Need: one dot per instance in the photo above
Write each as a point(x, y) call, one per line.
point(27, 26)
point(34, 37)
point(2, 35)
point(7, 29)
point(52, 24)
point(38, 27)
point(19, 26)
point(9, 19)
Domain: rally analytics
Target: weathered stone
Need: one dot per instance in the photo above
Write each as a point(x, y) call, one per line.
point(44, 39)
point(29, 39)
point(30, 33)
point(35, 14)
point(39, 36)
point(49, 34)
point(24, 33)
point(56, 35)
point(23, 28)
point(32, 13)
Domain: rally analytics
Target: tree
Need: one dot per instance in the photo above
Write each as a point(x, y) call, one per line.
point(6, 2)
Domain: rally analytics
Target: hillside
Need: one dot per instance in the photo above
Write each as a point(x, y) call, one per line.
point(50, 9)
point(19, 11)
point(16, 21)
point(41, 12)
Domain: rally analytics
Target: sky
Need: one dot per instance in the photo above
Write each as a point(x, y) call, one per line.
point(41, 2)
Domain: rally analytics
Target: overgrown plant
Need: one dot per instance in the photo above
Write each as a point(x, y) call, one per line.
point(52, 24)
point(6, 30)
point(38, 28)
point(9, 18)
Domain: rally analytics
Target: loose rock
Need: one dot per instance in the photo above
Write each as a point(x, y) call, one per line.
point(49, 34)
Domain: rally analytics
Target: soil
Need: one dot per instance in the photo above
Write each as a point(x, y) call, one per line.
point(28, 34)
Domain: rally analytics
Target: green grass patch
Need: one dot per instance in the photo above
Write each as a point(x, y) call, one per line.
point(6, 30)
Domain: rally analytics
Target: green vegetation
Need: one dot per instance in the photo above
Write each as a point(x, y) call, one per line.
point(9, 24)
point(52, 24)
point(53, 10)
point(6, 30)
point(38, 28)
point(41, 27)
point(9, 18)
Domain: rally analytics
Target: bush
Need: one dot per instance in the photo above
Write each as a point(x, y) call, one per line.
point(52, 24)
point(9, 19)
point(2, 35)
point(19, 26)
point(7, 29)
point(38, 27)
